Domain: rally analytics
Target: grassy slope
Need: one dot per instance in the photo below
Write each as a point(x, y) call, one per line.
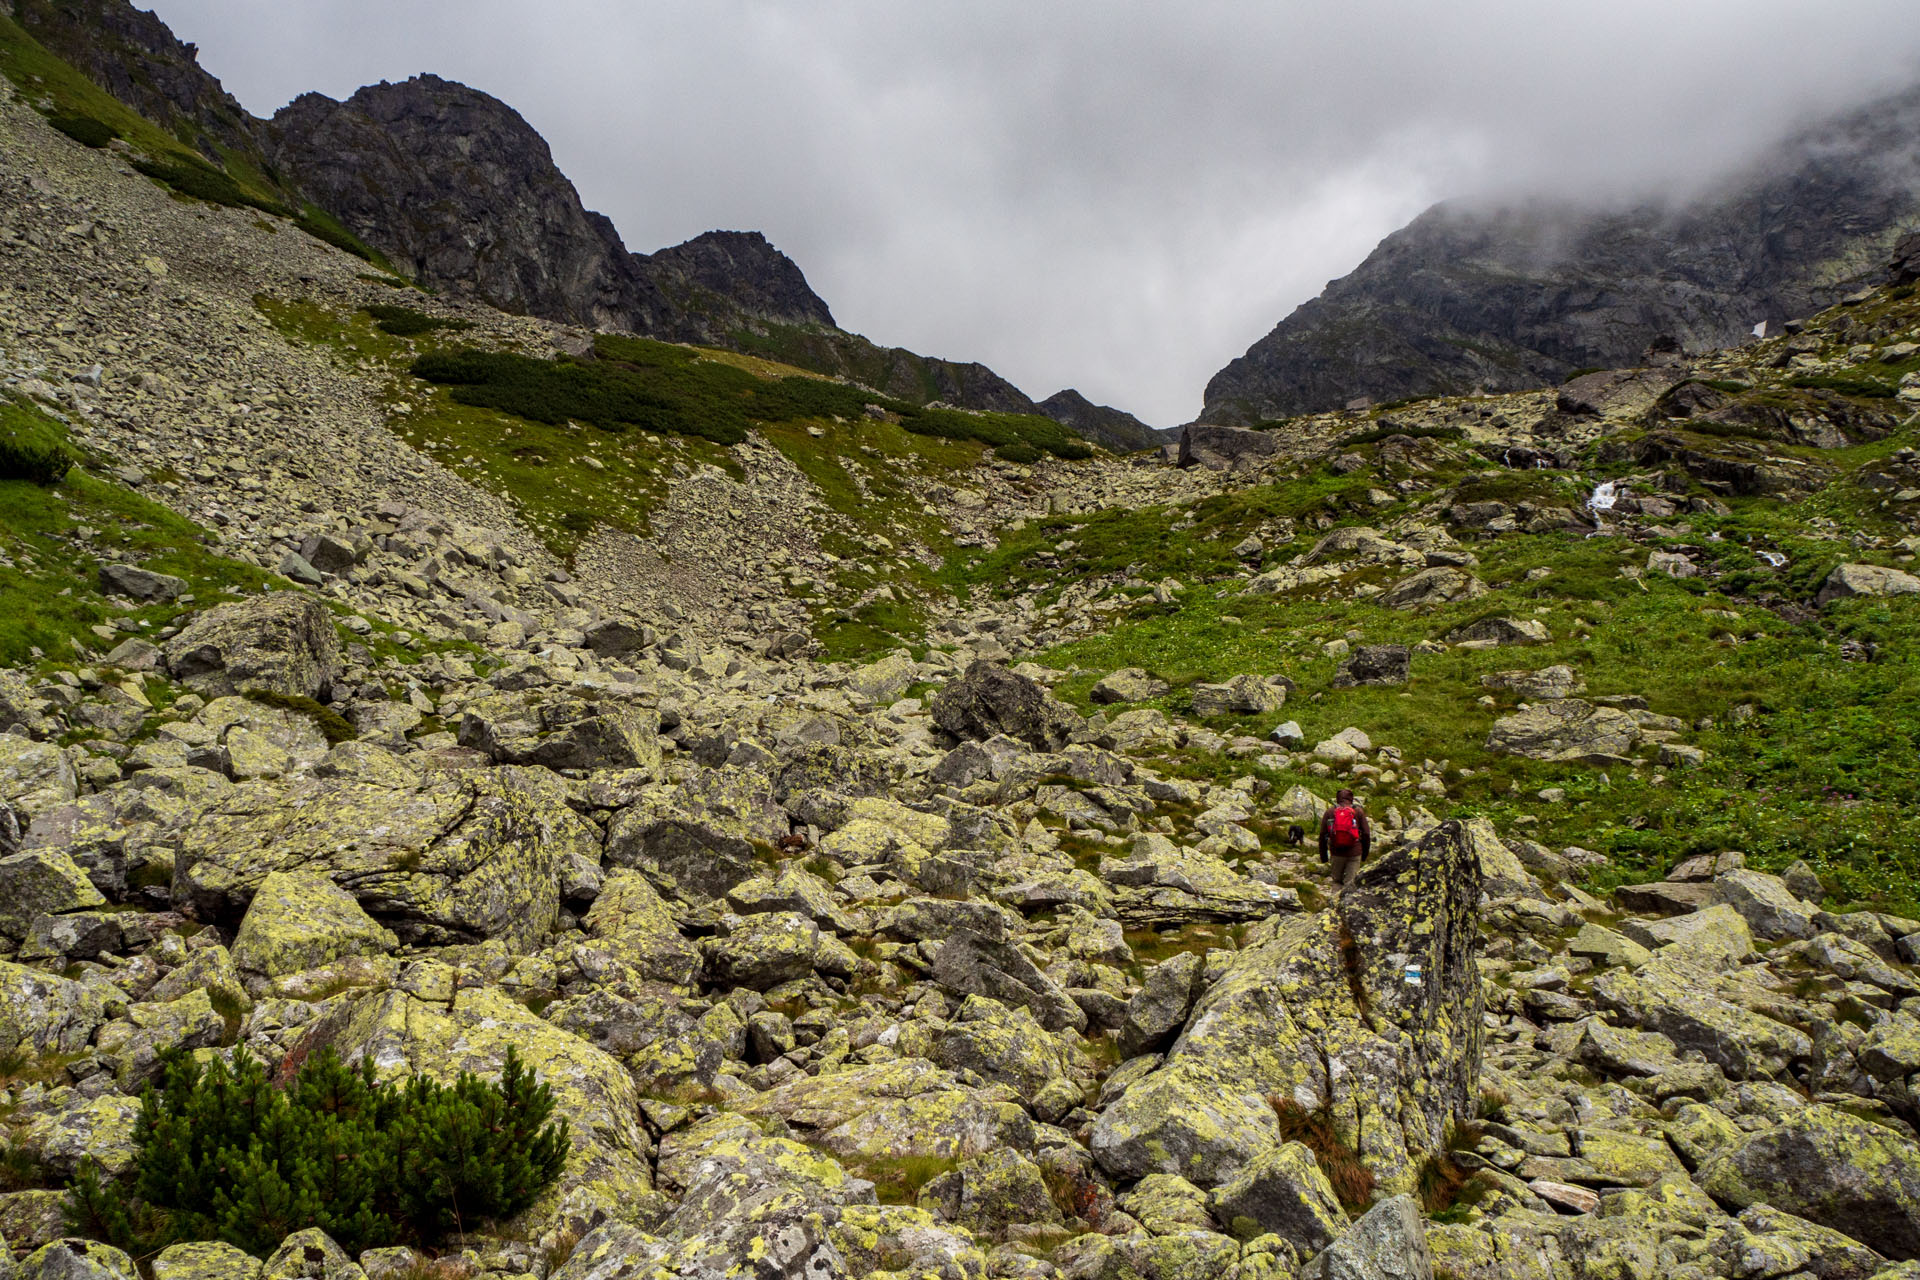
point(1828, 771)
point(49, 593)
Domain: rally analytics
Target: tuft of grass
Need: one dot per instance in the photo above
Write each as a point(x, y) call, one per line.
point(900, 1179)
point(1351, 1179)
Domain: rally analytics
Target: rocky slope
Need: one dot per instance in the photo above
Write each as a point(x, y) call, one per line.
point(994, 954)
point(1466, 298)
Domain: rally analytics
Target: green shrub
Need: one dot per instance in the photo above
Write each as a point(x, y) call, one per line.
point(85, 130)
point(224, 1154)
point(323, 227)
point(1864, 388)
point(32, 447)
point(1019, 451)
point(656, 386)
point(405, 322)
point(196, 178)
point(332, 725)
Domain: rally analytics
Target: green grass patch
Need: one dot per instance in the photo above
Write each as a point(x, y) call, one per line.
point(1847, 385)
point(332, 725)
point(194, 177)
point(49, 593)
point(33, 447)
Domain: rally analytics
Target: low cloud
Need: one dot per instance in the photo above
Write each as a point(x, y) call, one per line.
point(1115, 195)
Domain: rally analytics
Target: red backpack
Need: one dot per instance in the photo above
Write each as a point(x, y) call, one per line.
point(1345, 832)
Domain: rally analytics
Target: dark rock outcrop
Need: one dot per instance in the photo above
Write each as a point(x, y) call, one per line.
point(990, 700)
point(1521, 296)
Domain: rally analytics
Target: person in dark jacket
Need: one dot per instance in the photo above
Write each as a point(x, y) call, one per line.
point(1346, 838)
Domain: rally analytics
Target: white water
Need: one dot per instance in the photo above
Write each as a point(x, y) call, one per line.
point(1603, 496)
point(1773, 558)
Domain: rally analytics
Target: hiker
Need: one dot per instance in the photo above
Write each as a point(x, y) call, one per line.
point(1346, 838)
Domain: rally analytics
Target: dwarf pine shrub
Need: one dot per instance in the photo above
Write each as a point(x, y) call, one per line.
point(222, 1153)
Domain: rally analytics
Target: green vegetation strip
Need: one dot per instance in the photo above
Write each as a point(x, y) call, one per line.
point(224, 1154)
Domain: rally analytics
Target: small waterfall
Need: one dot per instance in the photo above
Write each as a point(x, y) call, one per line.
point(1604, 495)
point(1773, 558)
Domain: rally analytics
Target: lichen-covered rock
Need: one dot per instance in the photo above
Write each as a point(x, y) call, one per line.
point(1372, 1008)
point(1569, 730)
point(630, 922)
point(40, 882)
point(1160, 883)
point(310, 1255)
point(205, 1260)
point(1129, 684)
point(44, 1013)
point(990, 1193)
point(1831, 1168)
point(1003, 1044)
point(210, 969)
point(1770, 908)
point(281, 643)
point(456, 860)
point(1675, 998)
point(1244, 695)
point(762, 951)
point(563, 733)
point(153, 1030)
point(1389, 1242)
point(1283, 1192)
point(302, 920)
point(1440, 585)
point(907, 1107)
point(694, 839)
point(1190, 1255)
point(990, 700)
point(35, 777)
point(972, 965)
point(75, 1128)
point(1160, 1007)
point(74, 1259)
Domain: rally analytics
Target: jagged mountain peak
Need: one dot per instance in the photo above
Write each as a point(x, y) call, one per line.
point(1517, 295)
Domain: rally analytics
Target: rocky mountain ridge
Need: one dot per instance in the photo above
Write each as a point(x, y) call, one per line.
point(458, 190)
point(1517, 297)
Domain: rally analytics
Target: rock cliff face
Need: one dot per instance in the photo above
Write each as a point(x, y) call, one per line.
point(134, 56)
point(1111, 428)
point(456, 188)
point(1519, 297)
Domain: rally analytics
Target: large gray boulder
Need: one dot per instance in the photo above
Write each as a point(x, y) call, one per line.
point(1866, 580)
point(1569, 730)
point(281, 643)
point(464, 858)
point(1281, 1191)
point(969, 964)
point(1430, 588)
point(1388, 1243)
point(1382, 664)
point(990, 700)
point(1371, 1008)
point(563, 733)
point(1224, 448)
point(1832, 1168)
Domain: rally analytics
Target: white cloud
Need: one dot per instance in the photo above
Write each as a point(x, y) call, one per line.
point(1118, 195)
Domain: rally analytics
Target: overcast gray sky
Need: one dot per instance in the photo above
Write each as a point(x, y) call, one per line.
point(1114, 195)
